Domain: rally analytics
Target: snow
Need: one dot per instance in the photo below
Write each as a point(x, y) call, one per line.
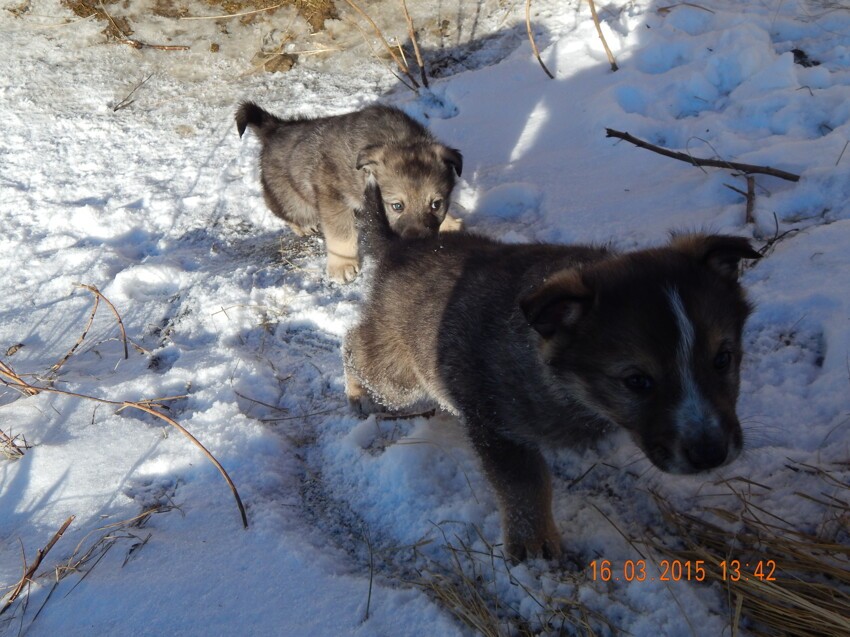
point(158, 204)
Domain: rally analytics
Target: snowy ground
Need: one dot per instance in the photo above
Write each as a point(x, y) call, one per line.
point(158, 205)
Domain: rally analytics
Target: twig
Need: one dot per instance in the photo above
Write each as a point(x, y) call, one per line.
point(141, 406)
point(371, 572)
point(11, 449)
point(98, 293)
point(531, 39)
point(144, 45)
point(393, 73)
point(127, 100)
point(17, 382)
point(842, 152)
point(399, 62)
point(696, 161)
point(610, 55)
point(749, 196)
point(412, 33)
point(29, 572)
point(669, 8)
point(751, 199)
point(80, 340)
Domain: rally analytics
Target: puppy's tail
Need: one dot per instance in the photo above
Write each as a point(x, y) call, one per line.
point(373, 227)
point(259, 119)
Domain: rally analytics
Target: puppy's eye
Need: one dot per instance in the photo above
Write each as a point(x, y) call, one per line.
point(722, 361)
point(397, 206)
point(436, 204)
point(639, 383)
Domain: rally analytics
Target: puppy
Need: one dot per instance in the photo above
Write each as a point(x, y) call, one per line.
point(533, 345)
point(313, 174)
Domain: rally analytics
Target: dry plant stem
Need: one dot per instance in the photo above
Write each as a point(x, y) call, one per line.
point(393, 73)
point(17, 382)
point(668, 9)
point(12, 449)
point(203, 449)
point(29, 572)
point(98, 293)
point(399, 62)
point(751, 198)
point(610, 55)
point(141, 406)
point(531, 39)
point(696, 161)
point(80, 340)
point(412, 33)
point(127, 101)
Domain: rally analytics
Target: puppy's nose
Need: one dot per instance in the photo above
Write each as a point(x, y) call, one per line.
point(707, 452)
point(416, 231)
point(431, 222)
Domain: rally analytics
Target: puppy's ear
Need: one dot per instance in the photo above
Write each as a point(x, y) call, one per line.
point(561, 302)
point(718, 252)
point(451, 156)
point(370, 157)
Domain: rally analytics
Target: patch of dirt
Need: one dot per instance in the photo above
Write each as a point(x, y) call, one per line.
point(116, 27)
point(315, 12)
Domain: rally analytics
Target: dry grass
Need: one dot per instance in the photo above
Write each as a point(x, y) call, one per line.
point(155, 407)
point(83, 559)
point(808, 594)
point(13, 447)
point(468, 588)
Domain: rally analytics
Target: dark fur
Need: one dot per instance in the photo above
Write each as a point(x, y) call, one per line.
point(548, 345)
point(313, 172)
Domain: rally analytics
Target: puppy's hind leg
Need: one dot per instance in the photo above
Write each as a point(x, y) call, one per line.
point(358, 397)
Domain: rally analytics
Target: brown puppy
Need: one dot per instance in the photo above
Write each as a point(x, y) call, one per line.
point(539, 344)
point(313, 173)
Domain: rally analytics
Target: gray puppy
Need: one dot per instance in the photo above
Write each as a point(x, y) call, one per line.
point(533, 345)
point(313, 174)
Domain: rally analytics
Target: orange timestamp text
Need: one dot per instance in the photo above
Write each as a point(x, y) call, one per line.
point(682, 570)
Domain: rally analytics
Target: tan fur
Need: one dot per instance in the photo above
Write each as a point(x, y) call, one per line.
point(314, 170)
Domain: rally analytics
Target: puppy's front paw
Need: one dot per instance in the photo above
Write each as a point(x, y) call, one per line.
point(545, 543)
point(363, 405)
point(303, 231)
point(451, 224)
point(342, 269)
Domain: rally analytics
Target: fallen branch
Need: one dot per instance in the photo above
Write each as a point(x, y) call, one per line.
point(29, 572)
point(610, 55)
point(531, 39)
point(697, 161)
point(146, 406)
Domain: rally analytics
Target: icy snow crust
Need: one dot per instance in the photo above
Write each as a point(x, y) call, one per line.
point(158, 205)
